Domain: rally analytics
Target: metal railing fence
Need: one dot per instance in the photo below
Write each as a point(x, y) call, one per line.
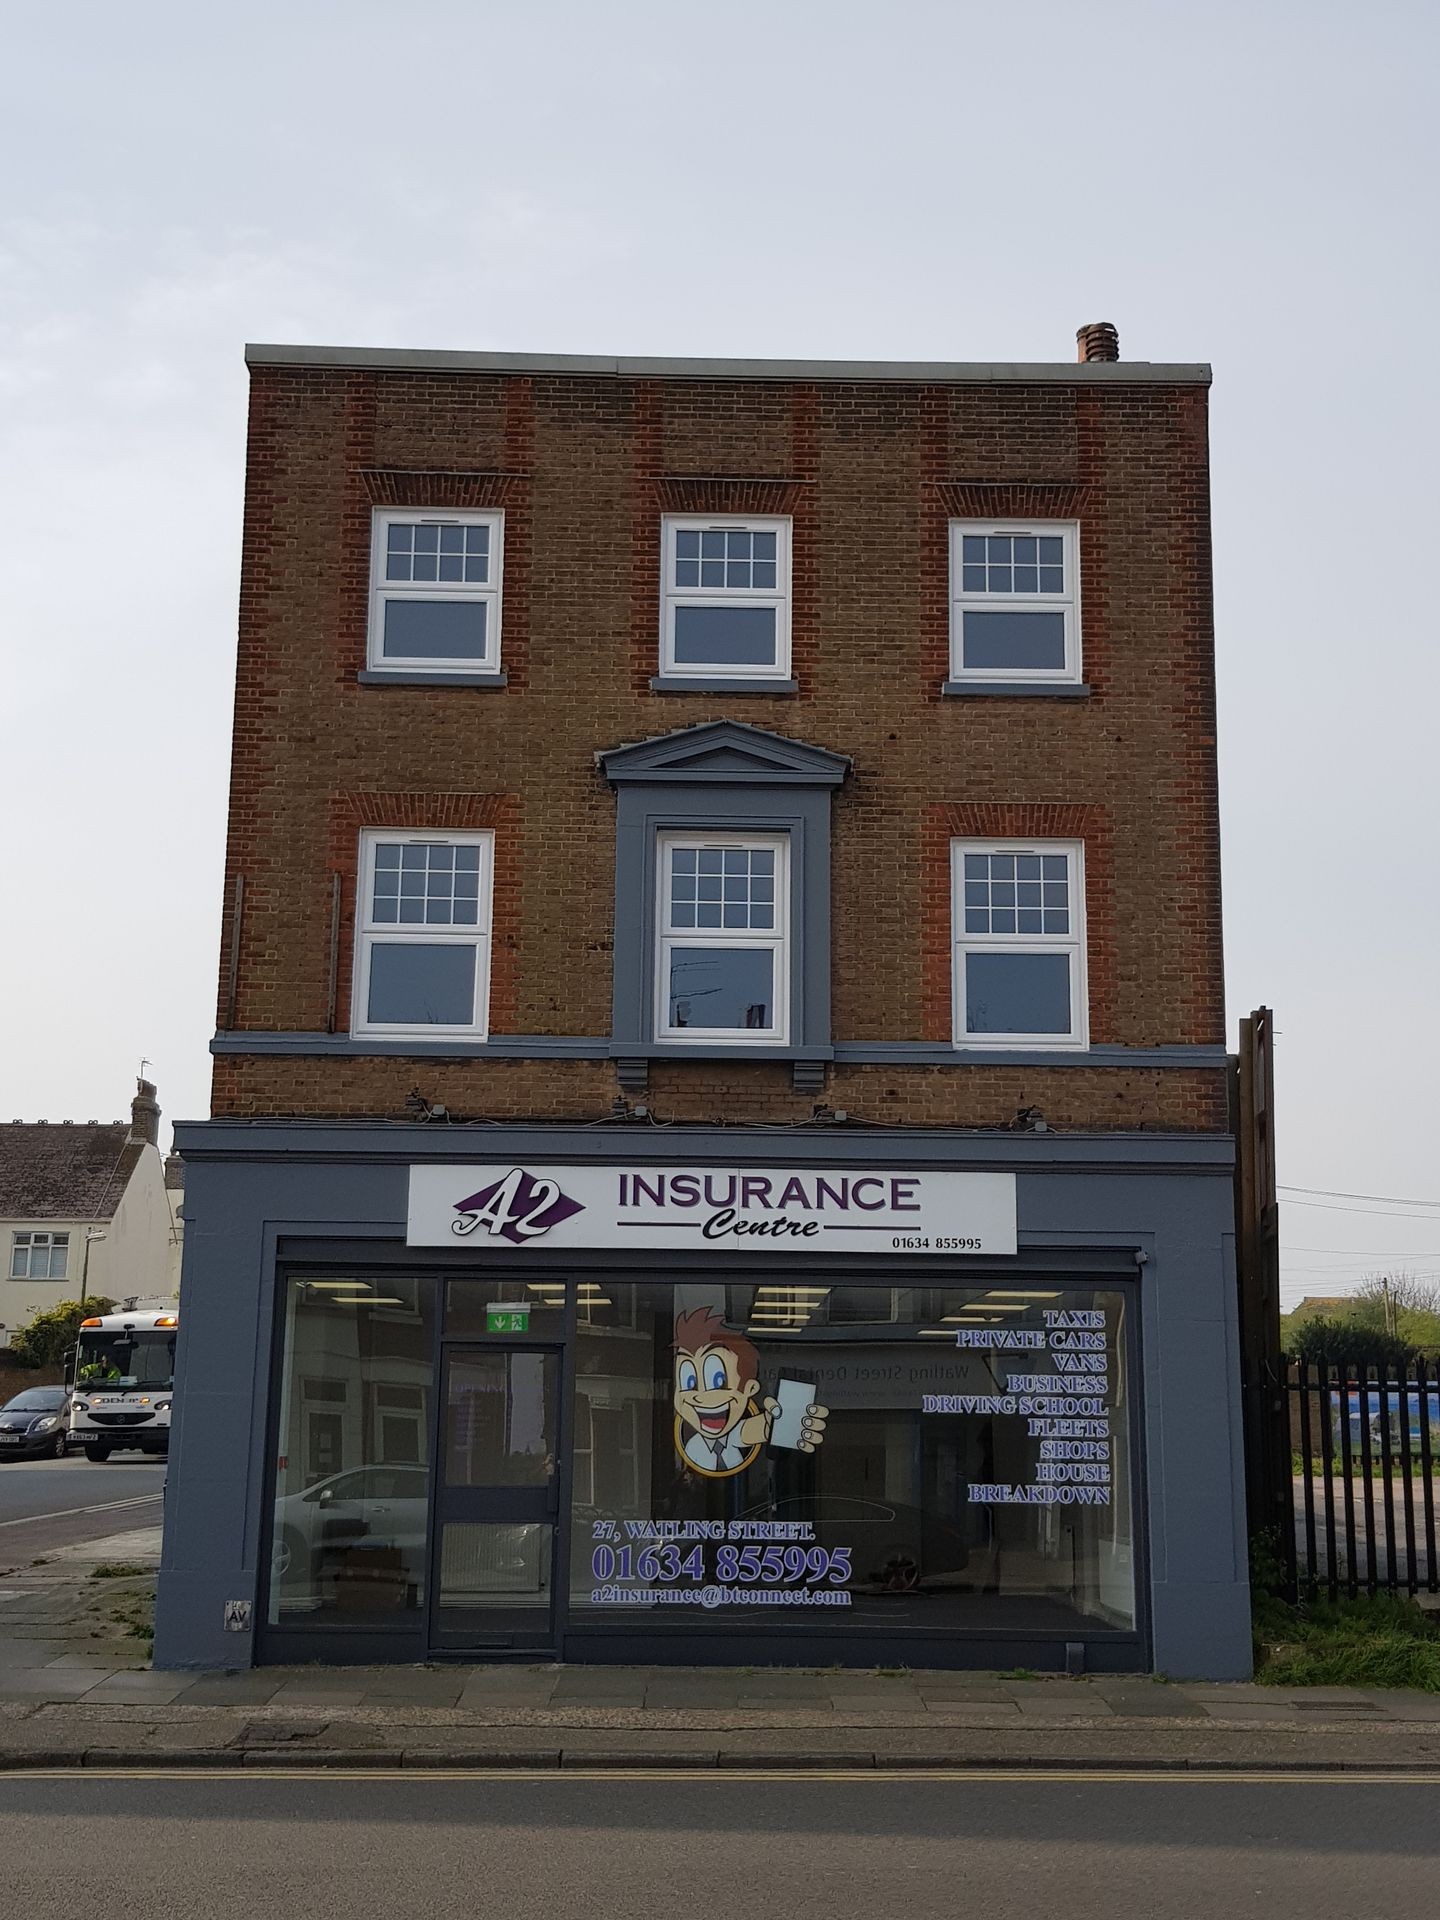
point(1365, 1441)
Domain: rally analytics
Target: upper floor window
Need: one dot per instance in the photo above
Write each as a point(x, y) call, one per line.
point(726, 603)
point(1015, 605)
point(422, 948)
point(39, 1256)
point(435, 592)
point(723, 971)
point(1019, 918)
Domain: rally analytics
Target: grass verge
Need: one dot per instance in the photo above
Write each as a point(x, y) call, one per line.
point(1378, 1641)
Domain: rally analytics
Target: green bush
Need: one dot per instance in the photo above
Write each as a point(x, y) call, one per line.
point(1348, 1343)
point(47, 1341)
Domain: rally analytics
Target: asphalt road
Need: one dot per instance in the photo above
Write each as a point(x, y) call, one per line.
point(518, 1848)
point(32, 1487)
point(60, 1503)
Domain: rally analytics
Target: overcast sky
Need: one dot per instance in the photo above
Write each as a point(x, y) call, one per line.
point(1252, 185)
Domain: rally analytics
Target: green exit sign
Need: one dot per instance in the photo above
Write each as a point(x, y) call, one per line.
point(508, 1319)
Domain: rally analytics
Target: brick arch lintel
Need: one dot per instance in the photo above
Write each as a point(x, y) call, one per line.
point(1013, 500)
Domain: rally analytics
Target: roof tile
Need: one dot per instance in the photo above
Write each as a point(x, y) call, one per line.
point(50, 1172)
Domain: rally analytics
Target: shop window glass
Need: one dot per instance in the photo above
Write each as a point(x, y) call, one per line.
point(349, 1527)
point(476, 1309)
point(940, 1459)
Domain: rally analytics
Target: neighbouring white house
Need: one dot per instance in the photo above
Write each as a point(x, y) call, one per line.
point(87, 1207)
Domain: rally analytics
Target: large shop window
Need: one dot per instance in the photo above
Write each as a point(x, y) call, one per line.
point(352, 1483)
point(950, 1460)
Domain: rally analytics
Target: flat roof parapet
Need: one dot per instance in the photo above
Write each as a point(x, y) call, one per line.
point(1085, 373)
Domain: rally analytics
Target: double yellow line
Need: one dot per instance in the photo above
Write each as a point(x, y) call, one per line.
point(710, 1776)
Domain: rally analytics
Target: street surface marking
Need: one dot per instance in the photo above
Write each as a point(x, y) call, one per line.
point(69, 1513)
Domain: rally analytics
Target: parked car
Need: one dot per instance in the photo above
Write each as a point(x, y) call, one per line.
point(381, 1506)
point(32, 1425)
point(386, 1508)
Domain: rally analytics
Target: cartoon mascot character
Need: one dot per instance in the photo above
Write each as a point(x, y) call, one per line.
point(720, 1425)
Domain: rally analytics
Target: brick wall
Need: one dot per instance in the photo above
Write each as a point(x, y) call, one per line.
point(583, 467)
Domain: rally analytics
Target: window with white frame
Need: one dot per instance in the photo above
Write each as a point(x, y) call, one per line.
point(1015, 601)
point(435, 592)
point(1019, 917)
point(723, 964)
point(726, 600)
point(422, 948)
point(41, 1255)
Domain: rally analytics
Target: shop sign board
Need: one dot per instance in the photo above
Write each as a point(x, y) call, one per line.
point(781, 1210)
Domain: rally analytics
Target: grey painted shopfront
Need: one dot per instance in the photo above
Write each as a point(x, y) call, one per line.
point(514, 1434)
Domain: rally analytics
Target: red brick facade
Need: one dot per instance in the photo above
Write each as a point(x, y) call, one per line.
point(583, 466)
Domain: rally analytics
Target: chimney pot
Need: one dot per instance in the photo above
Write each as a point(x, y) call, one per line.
point(1099, 340)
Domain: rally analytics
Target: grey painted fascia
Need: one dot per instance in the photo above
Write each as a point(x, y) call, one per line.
point(1102, 373)
point(500, 1046)
point(929, 1053)
point(389, 1141)
point(563, 1046)
point(1086, 1204)
point(713, 1053)
point(1015, 690)
point(674, 683)
point(758, 776)
point(368, 677)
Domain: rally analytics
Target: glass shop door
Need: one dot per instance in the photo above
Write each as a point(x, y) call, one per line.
point(496, 1499)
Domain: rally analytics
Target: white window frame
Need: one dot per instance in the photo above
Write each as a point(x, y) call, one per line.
point(46, 1236)
point(778, 941)
point(369, 932)
point(1073, 943)
point(382, 591)
point(1067, 603)
point(673, 597)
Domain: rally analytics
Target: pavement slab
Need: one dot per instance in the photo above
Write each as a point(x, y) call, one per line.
point(320, 1697)
point(75, 1683)
point(986, 1714)
point(931, 1697)
point(398, 1697)
point(141, 1689)
point(1157, 1703)
point(227, 1689)
point(1404, 1703)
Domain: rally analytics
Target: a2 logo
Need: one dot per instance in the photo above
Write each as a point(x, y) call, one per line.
point(517, 1208)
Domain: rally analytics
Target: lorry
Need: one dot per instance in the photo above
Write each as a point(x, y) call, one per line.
point(122, 1382)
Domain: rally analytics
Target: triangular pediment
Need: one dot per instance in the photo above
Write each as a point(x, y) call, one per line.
point(724, 752)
